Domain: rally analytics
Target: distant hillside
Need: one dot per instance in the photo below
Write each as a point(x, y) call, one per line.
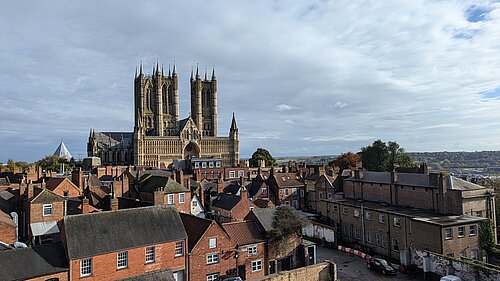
point(459, 161)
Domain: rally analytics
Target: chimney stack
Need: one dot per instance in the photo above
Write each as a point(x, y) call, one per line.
point(220, 186)
point(394, 175)
point(76, 177)
point(85, 205)
point(158, 197)
point(243, 192)
point(114, 200)
point(31, 190)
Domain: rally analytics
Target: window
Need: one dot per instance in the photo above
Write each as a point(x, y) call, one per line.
point(256, 265)
point(231, 174)
point(381, 240)
point(241, 174)
point(217, 164)
point(212, 258)
point(448, 233)
point(150, 254)
point(170, 199)
point(301, 193)
point(65, 194)
point(356, 213)
point(252, 250)
point(472, 230)
point(369, 237)
point(47, 210)
point(203, 164)
point(479, 213)
point(212, 243)
point(179, 249)
point(344, 230)
point(357, 233)
point(462, 254)
point(344, 211)
point(381, 218)
point(397, 222)
point(251, 208)
point(196, 165)
point(287, 203)
point(286, 191)
point(264, 190)
point(182, 197)
point(335, 208)
point(329, 196)
point(395, 244)
point(195, 203)
point(321, 195)
point(213, 277)
point(461, 231)
point(473, 254)
point(294, 204)
point(368, 215)
point(210, 164)
point(122, 260)
point(86, 267)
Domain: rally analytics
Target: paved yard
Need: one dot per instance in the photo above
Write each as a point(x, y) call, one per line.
point(350, 267)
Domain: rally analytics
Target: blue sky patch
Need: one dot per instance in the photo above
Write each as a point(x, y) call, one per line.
point(477, 13)
point(492, 94)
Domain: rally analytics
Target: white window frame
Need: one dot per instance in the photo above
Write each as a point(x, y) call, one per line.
point(474, 254)
point(448, 233)
point(231, 174)
point(182, 198)
point(217, 164)
point(122, 260)
point(394, 243)
point(203, 164)
point(210, 164)
point(472, 230)
point(179, 249)
point(212, 258)
point(86, 267)
point(256, 265)
point(356, 213)
point(368, 215)
point(170, 199)
point(241, 173)
point(330, 196)
point(213, 277)
point(252, 250)
point(150, 254)
point(47, 207)
point(196, 165)
point(397, 222)
point(461, 231)
point(301, 193)
point(212, 242)
point(357, 233)
point(381, 218)
point(344, 211)
point(295, 204)
point(369, 237)
point(321, 195)
point(335, 208)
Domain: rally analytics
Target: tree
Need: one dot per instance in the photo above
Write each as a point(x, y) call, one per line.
point(346, 160)
point(262, 154)
point(487, 238)
point(287, 223)
point(53, 163)
point(380, 156)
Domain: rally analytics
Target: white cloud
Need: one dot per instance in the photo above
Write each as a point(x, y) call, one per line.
point(397, 66)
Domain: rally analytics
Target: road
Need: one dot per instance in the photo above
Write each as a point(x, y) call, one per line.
point(350, 267)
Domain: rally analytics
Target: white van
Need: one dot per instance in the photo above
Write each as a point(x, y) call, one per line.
point(450, 278)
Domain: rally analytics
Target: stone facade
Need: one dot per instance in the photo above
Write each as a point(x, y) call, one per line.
point(324, 271)
point(159, 136)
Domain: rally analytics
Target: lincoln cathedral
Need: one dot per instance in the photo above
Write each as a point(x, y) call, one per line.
point(159, 136)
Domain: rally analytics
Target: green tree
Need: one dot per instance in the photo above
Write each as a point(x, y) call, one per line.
point(380, 156)
point(287, 223)
point(54, 163)
point(487, 238)
point(346, 160)
point(262, 154)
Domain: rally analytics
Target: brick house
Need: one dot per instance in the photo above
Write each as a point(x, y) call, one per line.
point(126, 243)
point(165, 190)
point(251, 249)
point(391, 230)
point(63, 187)
point(8, 232)
point(211, 252)
point(42, 262)
point(324, 189)
point(229, 207)
point(287, 189)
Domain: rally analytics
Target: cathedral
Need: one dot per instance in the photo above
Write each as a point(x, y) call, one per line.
point(159, 136)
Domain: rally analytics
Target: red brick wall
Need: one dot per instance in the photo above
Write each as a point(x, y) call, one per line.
point(67, 186)
point(181, 207)
point(36, 212)
point(241, 210)
point(198, 268)
point(104, 267)
point(63, 276)
point(7, 233)
point(245, 259)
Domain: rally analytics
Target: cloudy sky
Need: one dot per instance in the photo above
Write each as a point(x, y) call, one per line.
point(303, 77)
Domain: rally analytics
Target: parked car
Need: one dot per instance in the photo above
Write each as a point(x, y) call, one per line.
point(450, 278)
point(230, 278)
point(381, 265)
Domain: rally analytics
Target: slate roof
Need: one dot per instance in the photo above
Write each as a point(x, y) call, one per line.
point(114, 139)
point(195, 228)
point(460, 184)
point(105, 232)
point(53, 183)
point(27, 263)
point(151, 183)
point(46, 196)
point(254, 186)
point(162, 274)
point(265, 217)
point(226, 201)
point(243, 232)
point(288, 180)
point(4, 181)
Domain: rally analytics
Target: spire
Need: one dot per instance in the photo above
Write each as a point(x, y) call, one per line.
point(169, 74)
point(205, 74)
point(197, 72)
point(213, 72)
point(234, 127)
point(162, 70)
point(157, 67)
point(135, 76)
point(191, 73)
point(174, 70)
point(140, 73)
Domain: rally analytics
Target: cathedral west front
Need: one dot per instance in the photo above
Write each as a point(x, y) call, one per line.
point(160, 137)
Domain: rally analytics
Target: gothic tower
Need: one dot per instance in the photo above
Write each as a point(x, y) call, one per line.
point(234, 144)
point(204, 103)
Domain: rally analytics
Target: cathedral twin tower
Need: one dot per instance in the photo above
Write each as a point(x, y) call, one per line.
point(159, 136)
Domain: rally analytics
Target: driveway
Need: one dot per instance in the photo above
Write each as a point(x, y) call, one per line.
point(350, 267)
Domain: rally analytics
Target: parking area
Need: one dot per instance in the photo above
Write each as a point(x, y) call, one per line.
point(350, 267)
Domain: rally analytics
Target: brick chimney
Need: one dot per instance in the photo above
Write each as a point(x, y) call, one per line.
point(31, 190)
point(85, 206)
point(114, 200)
point(394, 175)
point(220, 186)
point(202, 196)
point(243, 192)
point(179, 177)
point(22, 187)
point(77, 177)
point(424, 168)
point(158, 197)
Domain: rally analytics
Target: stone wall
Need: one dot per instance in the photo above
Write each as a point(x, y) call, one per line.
point(464, 268)
point(324, 271)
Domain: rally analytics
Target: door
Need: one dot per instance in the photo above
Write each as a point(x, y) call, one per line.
point(242, 272)
point(179, 275)
point(272, 267)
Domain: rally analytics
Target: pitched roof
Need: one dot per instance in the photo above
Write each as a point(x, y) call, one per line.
point(288, 180)
point(105, 232)
point(243, 232)
point(263, 203)
point(27, 263)
point(5, 218)
point(195, 228)
point(226, 201)
point(168, 185)
point(265, 217)
point(162, 274)
point(63, 152)
point(46, 196)
point(114, 139)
